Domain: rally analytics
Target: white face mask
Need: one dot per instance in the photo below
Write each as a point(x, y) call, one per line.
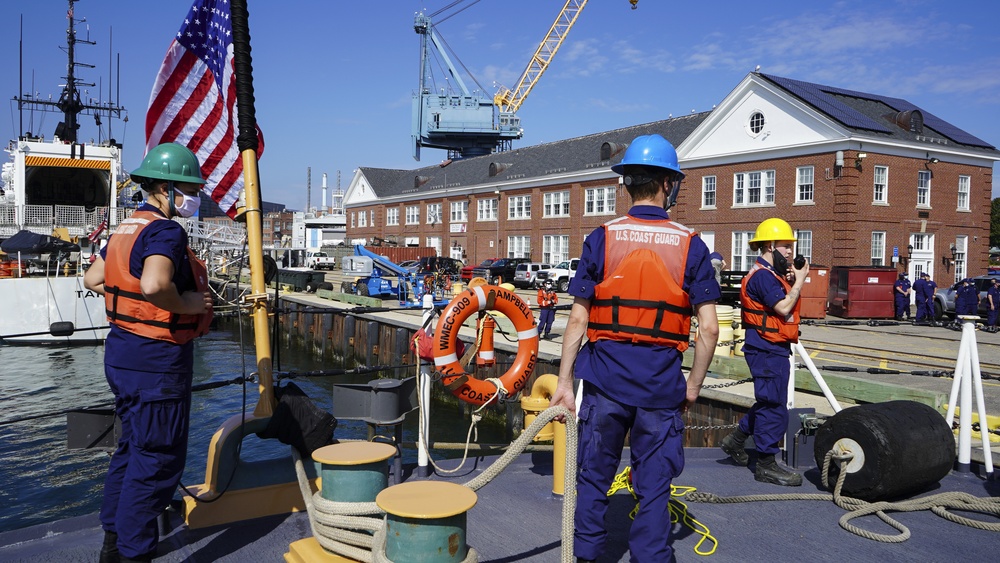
point(189, 206)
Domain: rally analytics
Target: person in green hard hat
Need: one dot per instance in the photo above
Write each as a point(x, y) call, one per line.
point(157, 300)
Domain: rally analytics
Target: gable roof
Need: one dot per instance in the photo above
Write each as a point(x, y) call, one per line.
point(880, 116)
point(580, 154)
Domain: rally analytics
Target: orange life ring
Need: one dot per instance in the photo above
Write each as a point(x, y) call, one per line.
point(473, 300)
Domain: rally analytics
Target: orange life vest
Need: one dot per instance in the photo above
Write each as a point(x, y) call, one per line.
point(126, 306)
point(641, 298)
point(771, 326)
point(547, 299)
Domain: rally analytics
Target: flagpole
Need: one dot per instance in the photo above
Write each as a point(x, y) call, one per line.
point(247, 143)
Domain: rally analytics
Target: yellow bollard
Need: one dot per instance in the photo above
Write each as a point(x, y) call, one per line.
point(538, 401)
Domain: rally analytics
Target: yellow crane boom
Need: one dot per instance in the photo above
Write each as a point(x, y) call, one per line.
point(508, 100)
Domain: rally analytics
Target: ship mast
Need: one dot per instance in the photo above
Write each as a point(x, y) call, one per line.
point(70, 103)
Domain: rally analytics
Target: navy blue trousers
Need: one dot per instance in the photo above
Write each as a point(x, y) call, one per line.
point(991, 317)
point(657, 456)
point(902, 306)
point(545, 318)
point(767, 419)
point(154, 409)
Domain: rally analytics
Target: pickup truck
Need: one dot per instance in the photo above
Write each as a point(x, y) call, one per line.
point(320, 261)
point(560, 274)
point(499, 271)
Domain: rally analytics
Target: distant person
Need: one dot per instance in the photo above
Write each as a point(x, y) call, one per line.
point(918, 298)
point(901, 293)
point(993, 296)
point(929, 289)
point(966, 300)
point(547, 300)
point(633, 299)
point(719, 264)
point(770, 300)
point(158, 301)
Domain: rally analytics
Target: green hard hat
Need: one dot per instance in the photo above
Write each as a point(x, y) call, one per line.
point(169, 161)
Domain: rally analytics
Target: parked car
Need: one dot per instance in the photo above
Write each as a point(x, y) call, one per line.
point(944, 299)
point(320, 261)
point(467, 270)
point(499, 271)
point(560, 274)
point(525, 274)
point(411, 265)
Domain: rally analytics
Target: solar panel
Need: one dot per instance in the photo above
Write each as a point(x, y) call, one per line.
point(819, 97)
point(814, 94)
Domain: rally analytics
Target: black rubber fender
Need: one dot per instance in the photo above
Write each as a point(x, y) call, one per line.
point(906, 447)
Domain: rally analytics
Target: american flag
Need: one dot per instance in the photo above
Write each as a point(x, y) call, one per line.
point(194, 100)
point(96, 234)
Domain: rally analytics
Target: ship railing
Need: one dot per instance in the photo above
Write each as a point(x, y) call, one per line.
point(79, 221)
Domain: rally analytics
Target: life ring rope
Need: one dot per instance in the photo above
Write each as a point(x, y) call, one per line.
point(446, 360)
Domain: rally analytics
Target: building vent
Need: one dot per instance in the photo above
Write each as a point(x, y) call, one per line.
point(611, 150)
point(498, 167)
point(911, 120)
point(420, 180)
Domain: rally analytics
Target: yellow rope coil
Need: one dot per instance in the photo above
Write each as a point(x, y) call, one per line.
point(678, 510)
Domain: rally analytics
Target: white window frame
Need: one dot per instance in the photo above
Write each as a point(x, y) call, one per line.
point(804, 244)
point(805, 184)
point(518, 208)
point(964, 192)
point(434, 213)
point(961, 254)
point(412, 214)
point(555, 248)
point(371, 217)
point(743, 258)
point(600, 201)
point(878, 248)
point(880, 190)
point(487, 209)
point(435, 243)
point(519, 246)
point(362, 219)
point(754, 188)
point(709, 185)
point(924, 188)
point(459, 211)
point(555, 204)
point(267, 223)
point(392, 216)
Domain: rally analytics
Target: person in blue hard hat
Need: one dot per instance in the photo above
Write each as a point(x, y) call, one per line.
point(993, 297)
point(769, 298)
point(158, 301)
point(901, 293)
point(639, 278)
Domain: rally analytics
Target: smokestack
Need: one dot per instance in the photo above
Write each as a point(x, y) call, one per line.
point(309, 186)
point(324, 193)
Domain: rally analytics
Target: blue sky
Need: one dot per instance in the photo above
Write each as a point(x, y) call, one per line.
point(333, 79)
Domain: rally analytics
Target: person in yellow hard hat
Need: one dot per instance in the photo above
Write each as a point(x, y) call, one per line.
point(770, 303)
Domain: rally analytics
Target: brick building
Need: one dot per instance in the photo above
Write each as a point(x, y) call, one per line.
point(864, 179)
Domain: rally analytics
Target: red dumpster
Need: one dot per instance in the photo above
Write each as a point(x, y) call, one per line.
point(862, 292)
point(815, 293)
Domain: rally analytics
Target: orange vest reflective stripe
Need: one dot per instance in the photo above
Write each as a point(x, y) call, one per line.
point(547, 299)
point(641, 298)
point(126, 306)
point(771, 326)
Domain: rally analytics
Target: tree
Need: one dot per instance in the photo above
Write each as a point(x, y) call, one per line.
point(995, 223)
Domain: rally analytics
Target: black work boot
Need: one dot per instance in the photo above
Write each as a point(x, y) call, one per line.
point(733, 445)
point(768, 471)
point(109, 550)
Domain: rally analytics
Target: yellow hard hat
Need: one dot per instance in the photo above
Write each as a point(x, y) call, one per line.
point(773, 229)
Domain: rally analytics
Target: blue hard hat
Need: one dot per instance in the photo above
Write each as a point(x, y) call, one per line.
point(715, 256)
point(649, 150)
